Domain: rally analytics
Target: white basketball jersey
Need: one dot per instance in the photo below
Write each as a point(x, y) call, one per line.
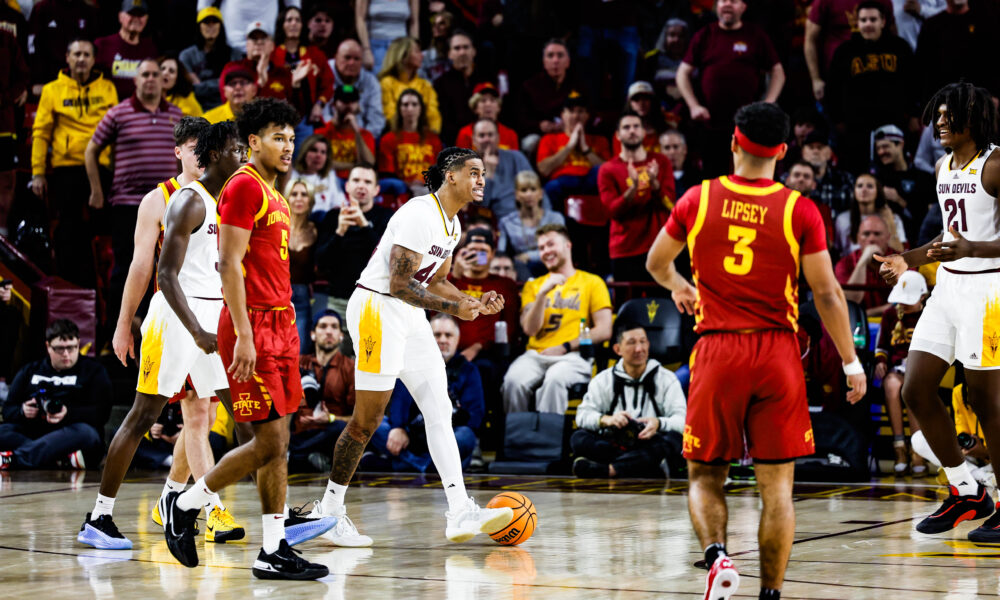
point(199, 274)
point(966, 206)
point(419, 225)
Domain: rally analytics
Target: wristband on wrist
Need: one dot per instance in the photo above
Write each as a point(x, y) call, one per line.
point(854, 368)
point(568, 346)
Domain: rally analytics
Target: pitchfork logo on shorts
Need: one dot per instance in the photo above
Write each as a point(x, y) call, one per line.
point(147, 367)
point(369, 347)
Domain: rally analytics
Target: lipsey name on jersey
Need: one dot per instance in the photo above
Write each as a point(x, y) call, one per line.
point(744, 211)
point(956, 188)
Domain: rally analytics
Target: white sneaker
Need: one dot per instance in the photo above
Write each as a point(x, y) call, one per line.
point(469, 520)
point(344, 533)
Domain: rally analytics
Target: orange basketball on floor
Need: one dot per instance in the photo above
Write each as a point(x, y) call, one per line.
point(522, 525)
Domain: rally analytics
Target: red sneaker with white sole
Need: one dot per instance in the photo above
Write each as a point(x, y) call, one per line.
point(722, 580)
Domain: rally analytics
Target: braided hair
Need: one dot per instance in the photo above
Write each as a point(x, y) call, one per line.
point(968, 106)
point(451, 158)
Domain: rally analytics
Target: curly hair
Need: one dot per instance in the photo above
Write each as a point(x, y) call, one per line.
point(262, 113)
point(968, 107)
point(451, 158)
point(213, 139)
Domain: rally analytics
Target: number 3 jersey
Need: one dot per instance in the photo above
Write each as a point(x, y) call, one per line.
point(746, 238)
point(419, 225)
point(249, 202)
point(966, 206)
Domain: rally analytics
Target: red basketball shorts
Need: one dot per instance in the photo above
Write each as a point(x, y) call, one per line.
point(276, 383)
point(747, 395)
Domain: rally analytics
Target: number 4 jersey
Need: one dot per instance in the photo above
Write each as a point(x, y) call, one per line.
point(419, 225)
point(966, 206)
point(746, 239)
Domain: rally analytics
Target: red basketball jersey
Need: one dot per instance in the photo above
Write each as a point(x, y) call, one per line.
point(249, 202)
point(166, 188)
point(746, 238)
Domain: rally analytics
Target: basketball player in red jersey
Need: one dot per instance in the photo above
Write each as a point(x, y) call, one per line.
point(259, 341)
point(748, 237)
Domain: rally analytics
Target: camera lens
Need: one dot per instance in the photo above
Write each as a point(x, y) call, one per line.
point(966, 441)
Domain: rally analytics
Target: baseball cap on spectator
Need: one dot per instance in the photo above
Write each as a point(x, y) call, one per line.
point(889, 132)
point(135, 7)
point(640, 88)
point(483, 88)
point(575, 99)
point(909, 289)
point(258, 26)
point(817, 136)
point(329, 312)
point(480, 234)
point(346, 93)
point(237, 71)
point(209, 12)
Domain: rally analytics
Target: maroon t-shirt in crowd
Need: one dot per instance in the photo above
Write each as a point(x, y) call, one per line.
point(636, 222)
point(732, 64)
point(838, 20)
point(481, 330)
point(120, 60)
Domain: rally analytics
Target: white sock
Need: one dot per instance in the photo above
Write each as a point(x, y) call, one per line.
point(171, 486)
point(333, 498)
point(103, 506)
point(286, 511)
point(196, 497)
point(274, 531)
point(961, 477)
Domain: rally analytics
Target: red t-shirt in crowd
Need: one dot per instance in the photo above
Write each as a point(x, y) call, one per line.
point(732, 65)
point(636, 222)
point(406, 155)
point(508, 137)
point(249, 202)
point(576, 163)
point(838, 19)
point(481, 330)
point(343, 144)
point(845, 266)
point(746, 238)
point(120, 60)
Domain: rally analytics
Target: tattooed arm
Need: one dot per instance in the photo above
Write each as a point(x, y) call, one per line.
point(403, 264)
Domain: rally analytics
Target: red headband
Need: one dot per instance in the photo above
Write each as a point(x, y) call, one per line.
point(755, 148)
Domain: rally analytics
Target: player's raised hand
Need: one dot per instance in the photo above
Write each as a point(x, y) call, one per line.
point(244, 358)
point(892, 267)
point(468, 308)
point(953, 250)
point(492, 303)
point(685, 298)
point(857, 385)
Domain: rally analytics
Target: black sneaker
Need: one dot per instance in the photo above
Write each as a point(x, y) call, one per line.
point(584, 468)
point(103, 534)
point(988, 532)
point(956, 509)
point(179, 529)
point(286, 563)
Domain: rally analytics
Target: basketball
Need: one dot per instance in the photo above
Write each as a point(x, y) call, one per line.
point(522, 525)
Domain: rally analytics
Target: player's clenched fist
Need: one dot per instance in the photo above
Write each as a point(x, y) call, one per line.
point(491, 302)
point(468, 309)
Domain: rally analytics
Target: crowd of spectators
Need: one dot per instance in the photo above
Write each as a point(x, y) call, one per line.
point(607, 107)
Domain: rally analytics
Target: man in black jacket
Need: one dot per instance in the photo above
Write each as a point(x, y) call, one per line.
point(57, 407)
point(348, 236)
point(871, 82)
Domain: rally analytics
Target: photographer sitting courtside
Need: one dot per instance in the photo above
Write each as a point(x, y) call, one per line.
point(56, 407)
point(632, 417)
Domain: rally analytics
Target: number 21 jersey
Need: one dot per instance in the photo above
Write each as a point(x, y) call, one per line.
point(967, 207)
point(746, 238)
point(419, 225)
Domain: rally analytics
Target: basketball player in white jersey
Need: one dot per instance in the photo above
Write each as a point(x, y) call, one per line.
point(393, 340)
point(178, 339)
point(961, 320)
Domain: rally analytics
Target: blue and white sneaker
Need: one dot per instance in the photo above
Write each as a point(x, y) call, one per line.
point(103, 534)
point(302, 528)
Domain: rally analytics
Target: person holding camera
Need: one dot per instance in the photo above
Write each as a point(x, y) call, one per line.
point(56, 408)
point(632, 418)
point(400, 442)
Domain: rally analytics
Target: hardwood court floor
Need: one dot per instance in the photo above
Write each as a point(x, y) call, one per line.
point(622, 540)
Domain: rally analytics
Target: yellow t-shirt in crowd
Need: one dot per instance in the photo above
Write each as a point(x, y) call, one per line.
point(581, 296)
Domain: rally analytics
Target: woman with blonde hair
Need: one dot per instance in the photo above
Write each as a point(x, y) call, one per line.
point(314, 165)
point(517, 229)
point(301, 254)
point(399, 73)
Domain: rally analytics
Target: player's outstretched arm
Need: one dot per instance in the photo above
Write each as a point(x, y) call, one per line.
point(403, 265)
point(660, 264)
point(147, 231)
point(832, 308)
point(233, 243)
point(185, 214)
